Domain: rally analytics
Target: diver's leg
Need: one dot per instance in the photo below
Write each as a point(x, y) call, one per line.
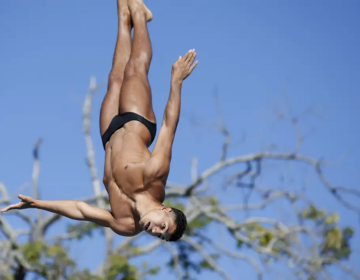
point(136, 92)
point(110, 105)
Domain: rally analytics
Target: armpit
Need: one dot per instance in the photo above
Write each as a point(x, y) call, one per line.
point(125, 227)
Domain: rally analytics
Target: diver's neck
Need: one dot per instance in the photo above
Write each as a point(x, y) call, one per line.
point(144, 203)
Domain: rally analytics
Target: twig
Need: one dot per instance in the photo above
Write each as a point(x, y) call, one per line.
point(194, 169)
point(21, 215)
point(4, 195)
point(222, 127)
point(36, 169)
point(335, 191)
point(175, 257)
point(8, 231)
point(275, 195)
point(206, 257)
point(343, 267)
point(247, 158)
point(236, 255)
point(226, 143)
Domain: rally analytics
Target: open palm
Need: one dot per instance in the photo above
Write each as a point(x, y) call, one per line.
point(183, 67)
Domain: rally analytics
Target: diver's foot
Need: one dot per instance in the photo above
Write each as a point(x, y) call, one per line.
point(138, 6)
point(149, 15)
point(123, 10)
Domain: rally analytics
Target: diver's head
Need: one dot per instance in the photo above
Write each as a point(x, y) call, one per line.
point(165, 223)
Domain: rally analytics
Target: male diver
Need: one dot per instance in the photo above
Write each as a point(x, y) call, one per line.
point(133, 177)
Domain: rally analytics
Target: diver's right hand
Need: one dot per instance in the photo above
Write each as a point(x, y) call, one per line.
point(26, 202)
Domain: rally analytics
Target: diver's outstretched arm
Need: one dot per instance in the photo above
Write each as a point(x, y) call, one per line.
point(157, 166)
point(76, 210)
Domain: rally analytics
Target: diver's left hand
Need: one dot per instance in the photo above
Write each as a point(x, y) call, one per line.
point(183, 67)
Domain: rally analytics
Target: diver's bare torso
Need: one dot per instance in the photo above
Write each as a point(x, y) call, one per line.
point(124, 176)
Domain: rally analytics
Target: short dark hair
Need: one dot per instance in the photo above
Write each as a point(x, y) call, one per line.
point(181, 223)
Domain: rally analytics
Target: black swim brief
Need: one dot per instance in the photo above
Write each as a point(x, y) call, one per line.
point(120, 120)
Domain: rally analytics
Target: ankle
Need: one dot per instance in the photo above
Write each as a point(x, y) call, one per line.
point(138, 15)
point(124, 13)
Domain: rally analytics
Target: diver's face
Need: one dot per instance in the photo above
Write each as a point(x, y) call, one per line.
point(159, 223)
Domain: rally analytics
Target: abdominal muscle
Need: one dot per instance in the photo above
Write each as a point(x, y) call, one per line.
point(126, 153)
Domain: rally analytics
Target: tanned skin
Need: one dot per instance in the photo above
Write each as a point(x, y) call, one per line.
point(133, 177)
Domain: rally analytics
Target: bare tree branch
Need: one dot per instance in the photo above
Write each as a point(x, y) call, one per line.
point(274, 156)
point(35, 174)
point(90, 149)
point(4, 195)
point(175, 257)
point(8, 231)
point(194, 169)
point(206, 257)
point(335, 191)
point(48, 221)
point(222, 127)
point(109, 235)
point(343, 268)
point(21, 215)
point(248, 158)
point(236, 255)
point(271, 198)
point(269, 238)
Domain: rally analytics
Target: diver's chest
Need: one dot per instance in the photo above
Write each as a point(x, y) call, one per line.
point(129, 178)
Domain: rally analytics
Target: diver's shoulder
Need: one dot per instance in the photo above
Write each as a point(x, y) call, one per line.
point(126, 226)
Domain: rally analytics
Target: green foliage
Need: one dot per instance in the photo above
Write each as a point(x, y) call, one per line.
point(53, 259)
point(82, 229)
point(7, 277)
point(205, 264)
point(336, 244)
point(199, 223)
point(259, 234)
point(185, 261)
point(84, 275)
point(120, 269)
point(335, 241)
point(266, 238)
point(239, 243)
point(154, 270)
point(214, 202)
point(55, 264)
point(174, 204)
point(312, 213)
point(334, 218)
point(32, 251)
point(119, 265)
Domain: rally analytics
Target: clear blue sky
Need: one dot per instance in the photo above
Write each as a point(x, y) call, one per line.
point(259, 55)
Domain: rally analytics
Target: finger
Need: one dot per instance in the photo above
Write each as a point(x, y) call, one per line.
point(186, 56)
point(193, 67)
point(24, 197)
point(5, 209)
point(192, 59)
